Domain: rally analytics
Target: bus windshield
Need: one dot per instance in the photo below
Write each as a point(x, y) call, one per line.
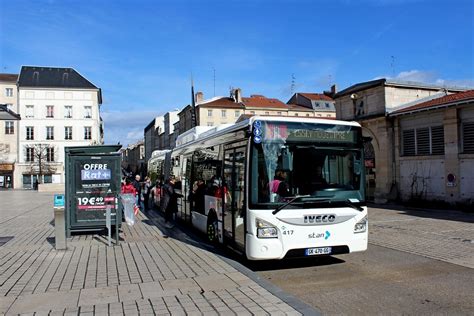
point(322, 161)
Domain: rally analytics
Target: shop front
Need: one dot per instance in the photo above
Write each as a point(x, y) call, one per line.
point(6, 175)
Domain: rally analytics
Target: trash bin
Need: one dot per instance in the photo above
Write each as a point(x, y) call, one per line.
point(128, 202)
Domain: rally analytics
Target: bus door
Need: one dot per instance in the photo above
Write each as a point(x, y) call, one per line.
point(233, 196)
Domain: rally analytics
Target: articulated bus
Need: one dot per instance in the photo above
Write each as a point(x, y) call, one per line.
point(275, 187)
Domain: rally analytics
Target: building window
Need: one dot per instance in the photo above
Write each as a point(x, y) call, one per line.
point(223, 113)
point(30, 154)
point(328, 115)
point(8, 92)
point(88, 112)
point(49, 132)
point(307, 114)
point(210, 124)
point(296, 114)
point(468, 137)
point(279, 113)
point(267, 113)
point(319, 115)
point(9, 128)
point(423, 141)
point(67, 111)
point(50, 111)
point(237, 113)
point(252, 112)
point(30, 133)
point(327, 105)
point(317, 105)
point(47, 178)
point(50, 154)
point(209, 113)
point(87, 132)
point(68, 132)
point(30, 111)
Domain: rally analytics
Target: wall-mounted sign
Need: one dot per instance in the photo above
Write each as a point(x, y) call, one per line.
point(6, 167)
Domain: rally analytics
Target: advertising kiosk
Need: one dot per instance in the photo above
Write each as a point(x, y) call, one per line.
point(93, 175)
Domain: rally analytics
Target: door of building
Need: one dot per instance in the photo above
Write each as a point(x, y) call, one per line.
point(369, 156)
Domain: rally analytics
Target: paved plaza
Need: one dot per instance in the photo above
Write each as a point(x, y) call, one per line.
point(145, 274)
point(444, 235)
point(148, 273)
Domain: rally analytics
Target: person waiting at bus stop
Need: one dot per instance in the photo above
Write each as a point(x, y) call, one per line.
point(128, 188)
point(170, 200)
point(138, 187)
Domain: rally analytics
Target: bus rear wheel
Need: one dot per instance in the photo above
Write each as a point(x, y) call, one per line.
point(212, 230)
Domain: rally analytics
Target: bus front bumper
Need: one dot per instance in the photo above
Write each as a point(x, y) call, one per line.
point(272, 248)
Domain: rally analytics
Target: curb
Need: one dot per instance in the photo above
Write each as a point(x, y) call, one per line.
point(289, 299)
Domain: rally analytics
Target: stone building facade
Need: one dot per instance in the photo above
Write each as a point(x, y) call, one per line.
point(370, 104)
point(8, 129)
point(59, 108)
point(435, 149)
point(320, 104)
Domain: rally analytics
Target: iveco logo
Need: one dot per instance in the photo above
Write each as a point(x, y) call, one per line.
point(325, 218)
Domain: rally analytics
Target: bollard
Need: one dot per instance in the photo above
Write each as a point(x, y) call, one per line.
point(59, 222)
point(108, 224)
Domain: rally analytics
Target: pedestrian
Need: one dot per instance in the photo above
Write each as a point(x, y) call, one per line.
point(199, 190)
point(128, 188)
point(170, 200)
point(138, 188)
point(146, 193)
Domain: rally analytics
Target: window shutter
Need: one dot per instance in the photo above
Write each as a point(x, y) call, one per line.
point(423, 141)
point(408, 139)
point(468, 137)
point(437, 140)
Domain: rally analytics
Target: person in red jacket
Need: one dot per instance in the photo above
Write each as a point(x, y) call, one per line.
point(128, 187)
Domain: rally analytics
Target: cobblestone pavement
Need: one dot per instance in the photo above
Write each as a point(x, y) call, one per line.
point(145, 274)
point(443, 235)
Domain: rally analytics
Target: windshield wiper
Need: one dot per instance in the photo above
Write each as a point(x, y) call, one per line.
point(294, 199)
point(351, 203)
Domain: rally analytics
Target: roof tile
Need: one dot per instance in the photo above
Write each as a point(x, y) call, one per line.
point(259, 101)
point(447, 99)
point(9, 77)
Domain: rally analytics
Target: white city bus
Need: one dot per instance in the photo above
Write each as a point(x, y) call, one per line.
point(275, 187)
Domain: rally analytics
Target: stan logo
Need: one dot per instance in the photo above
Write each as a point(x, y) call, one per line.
point(315, 219)
point(324, 235)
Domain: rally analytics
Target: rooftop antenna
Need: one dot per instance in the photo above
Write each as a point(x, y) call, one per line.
point(193, 103)
point(392, 65)
point(214, 81)
point(292, 87)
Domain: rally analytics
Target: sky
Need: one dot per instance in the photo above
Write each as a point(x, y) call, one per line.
point(143, 54)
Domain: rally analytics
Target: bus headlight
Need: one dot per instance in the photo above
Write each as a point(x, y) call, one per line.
point(265, 229)
point(361, 226)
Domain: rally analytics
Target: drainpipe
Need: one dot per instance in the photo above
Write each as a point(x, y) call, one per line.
point(394, 187)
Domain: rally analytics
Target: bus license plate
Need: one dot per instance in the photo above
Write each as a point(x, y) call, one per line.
point(318, 251)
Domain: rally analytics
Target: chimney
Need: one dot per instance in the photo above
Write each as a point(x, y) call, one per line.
point(331, 93)
point(238, 95)
point(199, 97)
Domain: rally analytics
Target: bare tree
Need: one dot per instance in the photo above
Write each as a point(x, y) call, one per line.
point(42, 158)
